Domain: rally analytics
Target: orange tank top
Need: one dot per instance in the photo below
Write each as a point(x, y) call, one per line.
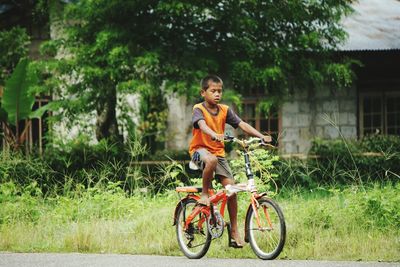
point(217, 124)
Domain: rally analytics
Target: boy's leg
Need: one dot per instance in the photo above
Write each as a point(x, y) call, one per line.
point(210, 164)
point(232, 210)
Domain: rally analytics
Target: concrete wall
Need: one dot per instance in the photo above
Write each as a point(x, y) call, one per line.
point(179, 131)
point(324, 114)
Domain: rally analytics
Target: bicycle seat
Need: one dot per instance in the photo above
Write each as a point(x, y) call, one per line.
point(189, 189)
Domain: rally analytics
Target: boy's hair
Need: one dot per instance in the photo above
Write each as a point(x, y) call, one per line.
point(205, 81)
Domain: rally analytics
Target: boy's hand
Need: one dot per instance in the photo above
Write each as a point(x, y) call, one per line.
point(218, 137)
point(267, 139)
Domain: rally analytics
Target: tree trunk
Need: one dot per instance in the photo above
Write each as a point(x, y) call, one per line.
point(106, 122)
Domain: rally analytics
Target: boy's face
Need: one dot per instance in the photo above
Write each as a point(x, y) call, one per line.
point(213, 94)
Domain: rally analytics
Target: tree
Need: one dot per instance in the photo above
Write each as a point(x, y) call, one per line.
point(158, 47)
point(13, 46)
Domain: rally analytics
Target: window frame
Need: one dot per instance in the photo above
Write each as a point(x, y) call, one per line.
point(383, 95)
point(257, 117)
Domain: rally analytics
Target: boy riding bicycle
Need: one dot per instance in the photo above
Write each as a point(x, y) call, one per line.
point(207, 147)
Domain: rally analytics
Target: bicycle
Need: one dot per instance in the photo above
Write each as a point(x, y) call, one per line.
point(196, 226)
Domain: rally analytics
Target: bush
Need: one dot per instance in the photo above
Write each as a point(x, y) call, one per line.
point(78, 154)
point(15, 167)
point(13, 46)
point(65, 166)
point(163, 155)
point(342, 162)
point(262, 164)
point(369, 159)
point(381, 206)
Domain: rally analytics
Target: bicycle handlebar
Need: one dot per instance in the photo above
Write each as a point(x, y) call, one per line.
point(244, 143)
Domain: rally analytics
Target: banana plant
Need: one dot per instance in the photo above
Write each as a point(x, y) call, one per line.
point(17, 102)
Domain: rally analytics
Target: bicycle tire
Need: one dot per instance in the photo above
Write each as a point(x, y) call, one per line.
point(267, 242)
point(200, 237)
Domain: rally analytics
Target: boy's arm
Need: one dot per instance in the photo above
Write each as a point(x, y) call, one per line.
point(205, 129)
point(250, 130)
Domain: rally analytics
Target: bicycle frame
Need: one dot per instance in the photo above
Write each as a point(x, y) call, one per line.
point(208, 211)
point(219, 197)
point(215, 198)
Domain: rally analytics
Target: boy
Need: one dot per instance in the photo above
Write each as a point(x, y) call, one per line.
point(209, 118)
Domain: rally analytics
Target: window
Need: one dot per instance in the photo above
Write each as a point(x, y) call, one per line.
point(380, 113)
point(265, 123)
point(393, 114)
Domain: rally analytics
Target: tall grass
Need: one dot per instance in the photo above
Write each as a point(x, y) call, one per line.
point(113, 206)
point(328, 224)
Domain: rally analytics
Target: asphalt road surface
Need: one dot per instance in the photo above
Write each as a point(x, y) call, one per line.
point(113, 260)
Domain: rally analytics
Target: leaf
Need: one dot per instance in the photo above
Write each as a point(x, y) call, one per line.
point(17, 101)
point(52, 106)
point(174, 174)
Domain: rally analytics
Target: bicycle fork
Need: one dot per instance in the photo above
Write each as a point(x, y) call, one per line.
point(255, 205)
point(254, 202)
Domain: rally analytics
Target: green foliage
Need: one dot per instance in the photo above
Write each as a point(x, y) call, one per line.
point(341, 74)
point(373, 158)
point(338, 157)
point(262, 163)
point(381, 207)
point(168, 154)
point(389, 144)
point(23, 171)
point(13, 46)
point(17, 102)
point(155, 48)
point(324, 224)
point(231, 96)
point(17, 98)
point(154, 114)
point(67, 166)
point(318, 217)
point(78, 154)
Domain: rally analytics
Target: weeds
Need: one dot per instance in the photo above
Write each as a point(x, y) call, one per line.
point(348, 223)
point(116, 207)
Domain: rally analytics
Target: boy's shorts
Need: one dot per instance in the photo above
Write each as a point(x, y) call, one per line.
point(222, 170)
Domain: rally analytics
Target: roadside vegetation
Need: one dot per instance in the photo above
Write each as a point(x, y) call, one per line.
point(109, 206)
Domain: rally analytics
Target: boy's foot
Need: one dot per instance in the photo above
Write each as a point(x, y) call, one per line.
point(234, 240)
point(204, 200)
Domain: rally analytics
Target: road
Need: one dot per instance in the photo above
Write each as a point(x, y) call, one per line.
point(114, 260)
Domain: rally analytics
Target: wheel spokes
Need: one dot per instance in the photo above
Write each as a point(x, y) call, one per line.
point(265, 229)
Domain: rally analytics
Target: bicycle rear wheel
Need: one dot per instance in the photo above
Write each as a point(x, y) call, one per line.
point(267, 238)
point(195, 241)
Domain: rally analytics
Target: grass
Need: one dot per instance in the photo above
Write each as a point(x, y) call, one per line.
point(93, 211)
point(325, 224)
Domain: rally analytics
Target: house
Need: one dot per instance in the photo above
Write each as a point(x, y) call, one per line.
point(371, 106)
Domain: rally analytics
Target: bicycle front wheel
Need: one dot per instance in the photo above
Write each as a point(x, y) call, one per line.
point(194, 241)
point(266, 229)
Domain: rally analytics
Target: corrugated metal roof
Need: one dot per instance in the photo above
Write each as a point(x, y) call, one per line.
point(374, 25)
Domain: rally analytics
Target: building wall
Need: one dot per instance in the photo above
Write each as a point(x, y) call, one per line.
point(179, 129)
point(324, 114)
